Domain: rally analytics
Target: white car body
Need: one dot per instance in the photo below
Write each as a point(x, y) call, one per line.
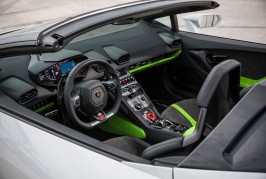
point(29, 152)
point(34, 147)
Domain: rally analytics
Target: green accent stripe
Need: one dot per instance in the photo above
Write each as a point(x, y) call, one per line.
point(120, 125)
point(188, 117)
point(45, 107)
point(246, 82)
point(156, 63)
point(189, 131)
point(185, 114)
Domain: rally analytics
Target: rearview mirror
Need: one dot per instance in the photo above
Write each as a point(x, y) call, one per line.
point(196, 21)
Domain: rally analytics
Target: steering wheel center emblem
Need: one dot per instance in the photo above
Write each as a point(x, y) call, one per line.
point(97, 94)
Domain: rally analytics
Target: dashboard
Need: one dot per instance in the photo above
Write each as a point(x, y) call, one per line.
point(134, 49)
point(51, 75)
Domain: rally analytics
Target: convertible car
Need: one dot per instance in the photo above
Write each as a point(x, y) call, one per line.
point(123, 93)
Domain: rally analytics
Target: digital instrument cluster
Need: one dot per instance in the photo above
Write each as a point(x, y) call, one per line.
point(58, 70)
point(51, 75)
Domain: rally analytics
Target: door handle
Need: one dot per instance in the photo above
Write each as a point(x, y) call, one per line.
point(216, 59)
point(219, 58)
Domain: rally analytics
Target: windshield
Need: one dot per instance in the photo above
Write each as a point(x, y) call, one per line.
point(107, 29)
point(17, 14)
point(239, 20)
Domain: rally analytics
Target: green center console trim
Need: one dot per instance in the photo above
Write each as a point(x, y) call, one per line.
point(120, 125)
point(45, 107)
point(156, 63)
point(246, 82)
point(188, 117)
point(189, 131)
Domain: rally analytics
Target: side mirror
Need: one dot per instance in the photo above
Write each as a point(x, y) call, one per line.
point(196, 21)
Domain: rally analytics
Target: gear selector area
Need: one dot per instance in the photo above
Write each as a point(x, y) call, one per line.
point(150, 115)
point(142, 112)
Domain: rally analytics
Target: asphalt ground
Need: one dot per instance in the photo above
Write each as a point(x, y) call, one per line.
point(242, 19)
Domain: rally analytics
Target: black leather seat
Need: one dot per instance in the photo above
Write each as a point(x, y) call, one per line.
point(218, 95)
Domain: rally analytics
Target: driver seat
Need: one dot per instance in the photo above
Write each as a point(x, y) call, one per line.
point(217, 96)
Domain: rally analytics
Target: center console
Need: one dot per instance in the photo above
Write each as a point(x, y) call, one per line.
point(139, 108)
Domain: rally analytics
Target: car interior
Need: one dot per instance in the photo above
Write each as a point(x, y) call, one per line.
point(135, 90)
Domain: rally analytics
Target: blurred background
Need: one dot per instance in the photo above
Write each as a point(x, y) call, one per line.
point(241, 19)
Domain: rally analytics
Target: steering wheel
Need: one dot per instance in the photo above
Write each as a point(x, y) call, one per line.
point(92, 95)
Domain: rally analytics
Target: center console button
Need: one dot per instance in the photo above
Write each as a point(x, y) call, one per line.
point(143, 98)
point(138, 106)
point(128, 79)
point(132, 78)
point(129, 89)
point(151, 116)
point(123, 82)
point(168, 123)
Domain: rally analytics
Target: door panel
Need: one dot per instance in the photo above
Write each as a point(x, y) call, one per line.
point(201, 53)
